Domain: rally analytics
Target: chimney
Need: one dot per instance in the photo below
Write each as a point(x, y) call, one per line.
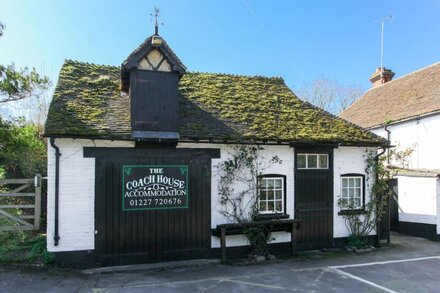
point(381, 76)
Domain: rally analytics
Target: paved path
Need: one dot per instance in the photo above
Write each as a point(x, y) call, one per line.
point(409, 265)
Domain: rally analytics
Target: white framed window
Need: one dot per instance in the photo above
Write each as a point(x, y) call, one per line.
point(271, 194)
point(352, 191)
point(312, 161)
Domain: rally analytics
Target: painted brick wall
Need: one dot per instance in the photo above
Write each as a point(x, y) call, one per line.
point(77, 194)
point(347, 160)
point(422, 135)
point(77, 182)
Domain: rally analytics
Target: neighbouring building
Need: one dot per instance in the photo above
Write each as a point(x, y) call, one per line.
point(133, 153)
point(407, 112)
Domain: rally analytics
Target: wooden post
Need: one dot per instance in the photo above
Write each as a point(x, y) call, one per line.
point(37, 211)
point(293, 235)
point(223, 245)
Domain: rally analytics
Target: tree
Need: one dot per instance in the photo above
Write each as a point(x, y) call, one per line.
point(2, 28)
point(329, 95)
point(18, 84)
point(22, 150)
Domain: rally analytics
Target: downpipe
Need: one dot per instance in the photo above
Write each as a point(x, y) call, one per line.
point(56, 237)
point(376, 177)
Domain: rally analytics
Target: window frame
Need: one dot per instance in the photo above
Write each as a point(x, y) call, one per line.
point(317, 161)
point(283, 195)
point(362, 197)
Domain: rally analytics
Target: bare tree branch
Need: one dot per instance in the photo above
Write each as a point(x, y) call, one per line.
point(329, 95)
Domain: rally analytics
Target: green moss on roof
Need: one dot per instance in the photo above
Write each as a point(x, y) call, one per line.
point(87, 102)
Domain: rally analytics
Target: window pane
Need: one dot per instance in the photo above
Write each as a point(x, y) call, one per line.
point(278, 194)
point(357, 202)
point(270, 183)
point(350, 192)
point(357, 192)
point(350, 182)
point(278, 205)
point(262, 206)
point(344, 192)
point(263, 194)
point(312, 161)
point(270, 206)
point(270, 195)
point(344, 182)
point(301, 161)
point(278, 183)
point(357, 182)
point(323, 161)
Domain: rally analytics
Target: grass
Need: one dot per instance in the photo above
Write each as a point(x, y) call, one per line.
point(24, 247)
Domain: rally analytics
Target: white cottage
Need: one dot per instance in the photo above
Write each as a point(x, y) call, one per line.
point(406, 111)
point(133, 153)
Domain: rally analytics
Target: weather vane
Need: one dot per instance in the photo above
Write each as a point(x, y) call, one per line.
point(155, 16)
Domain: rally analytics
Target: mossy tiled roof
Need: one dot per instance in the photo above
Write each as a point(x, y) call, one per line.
point(219, 107)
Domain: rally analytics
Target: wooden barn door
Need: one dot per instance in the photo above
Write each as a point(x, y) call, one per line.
point(314, 197)
point(128, 234)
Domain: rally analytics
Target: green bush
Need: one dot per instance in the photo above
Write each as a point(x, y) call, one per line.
point(24, 247)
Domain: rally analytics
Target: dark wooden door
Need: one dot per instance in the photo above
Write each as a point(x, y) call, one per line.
point(314, 202)
point(141, 236)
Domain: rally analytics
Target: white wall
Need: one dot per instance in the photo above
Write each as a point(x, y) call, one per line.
point(77, 188)
point(76, 195)
point(348, 160)
point(423, 135)
point(418, 196)
point(285, 153)
point(418, 199)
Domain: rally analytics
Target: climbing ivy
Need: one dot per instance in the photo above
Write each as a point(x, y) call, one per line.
point(238, 190)
point(361, 223)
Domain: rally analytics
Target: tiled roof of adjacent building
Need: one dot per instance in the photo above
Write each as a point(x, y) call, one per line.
point(217, 107)
point(413, 95)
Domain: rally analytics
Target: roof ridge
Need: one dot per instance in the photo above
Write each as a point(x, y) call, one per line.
point(406, 75)
point(391, 81)
point(236, 75)
point(89, 63)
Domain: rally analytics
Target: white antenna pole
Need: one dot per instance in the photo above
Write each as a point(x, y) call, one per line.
point(381, 50)
point(382, 22)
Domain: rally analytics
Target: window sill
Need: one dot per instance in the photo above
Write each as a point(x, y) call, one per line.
point(272, 216)
point(355, 212)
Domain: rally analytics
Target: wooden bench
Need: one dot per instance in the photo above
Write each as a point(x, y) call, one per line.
point(291, 226)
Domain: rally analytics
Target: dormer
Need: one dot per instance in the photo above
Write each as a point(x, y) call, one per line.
point(150, 75)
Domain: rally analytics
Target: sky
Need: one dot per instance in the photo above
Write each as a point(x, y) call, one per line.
point(297, 40)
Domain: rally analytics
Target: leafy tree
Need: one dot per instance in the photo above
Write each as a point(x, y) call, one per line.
point(2, 28)
point(22, 149)
point(18, 84)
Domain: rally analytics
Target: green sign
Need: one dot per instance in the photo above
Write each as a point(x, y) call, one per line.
point(154, 187)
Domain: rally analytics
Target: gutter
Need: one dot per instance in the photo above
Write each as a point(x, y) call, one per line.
point(388, 138)
point(56, 237)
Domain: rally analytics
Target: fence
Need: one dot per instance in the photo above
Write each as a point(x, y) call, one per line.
point(20, 204)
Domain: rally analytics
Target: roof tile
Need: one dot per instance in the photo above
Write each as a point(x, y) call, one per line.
point(88, 103)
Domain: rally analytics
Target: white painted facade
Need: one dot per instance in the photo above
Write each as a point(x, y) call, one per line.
point(419, 197)
point(421, 134)
point(77, 189)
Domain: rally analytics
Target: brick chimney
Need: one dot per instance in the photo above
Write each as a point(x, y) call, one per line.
point(381, 76)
